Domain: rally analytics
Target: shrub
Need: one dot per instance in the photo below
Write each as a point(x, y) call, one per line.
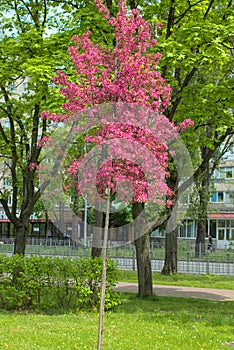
point(46, 283)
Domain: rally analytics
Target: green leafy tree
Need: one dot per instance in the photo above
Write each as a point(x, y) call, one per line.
point(29, 53)
point(197, 46)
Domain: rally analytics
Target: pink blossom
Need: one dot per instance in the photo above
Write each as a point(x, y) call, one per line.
point(126, 74)
point(43, 141)
point(33, 166)
point(187, 123)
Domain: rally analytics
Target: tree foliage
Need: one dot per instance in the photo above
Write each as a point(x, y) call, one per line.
point(29, 53)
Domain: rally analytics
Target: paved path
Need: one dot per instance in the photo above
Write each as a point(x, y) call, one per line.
point(182, 292)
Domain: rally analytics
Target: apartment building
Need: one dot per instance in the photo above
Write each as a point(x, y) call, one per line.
point(220, 219)
point(221, 207)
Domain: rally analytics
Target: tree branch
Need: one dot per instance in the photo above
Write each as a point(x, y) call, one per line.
point(18, 17)
point(13, 147)
point(171, 19)
point(186, 11)
point(177, 100)
point(202, 166)
point(30, 12)
point(4, 136)
point(6, 208)
point(229, 5)
point(45, 14)
point(71, 3)
point(208, 8)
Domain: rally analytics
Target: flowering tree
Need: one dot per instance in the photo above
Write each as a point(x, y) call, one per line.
point(125, 74)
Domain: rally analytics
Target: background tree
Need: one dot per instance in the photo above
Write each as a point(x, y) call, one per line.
point(28, 57)
point(197, 46)
point(33, 44)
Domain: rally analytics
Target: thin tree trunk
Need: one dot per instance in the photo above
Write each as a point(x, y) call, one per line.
point(204, 195)
point(96, 250)
point(200, 238)
point(21, 232)
point(142, 244)
point(103, 285)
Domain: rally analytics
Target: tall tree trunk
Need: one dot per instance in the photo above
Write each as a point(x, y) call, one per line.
point(204, 194)
point(202, 219)
point(170, 262)
point(171, 245)
point(142, 244)
point(144, 272)
point(21, 232)
point(200, 238)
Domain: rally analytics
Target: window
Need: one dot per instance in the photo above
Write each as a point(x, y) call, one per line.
point(221, 223)
point(227, 172)
point(6, 181)
point(188, 229)
point(221, 234)
point(229, 197)
point(218, 197)
point(213, 228)
point(231, 150)
point(9, 200)
point(183, 231)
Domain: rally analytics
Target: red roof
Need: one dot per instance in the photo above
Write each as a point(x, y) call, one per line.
point(221, 216)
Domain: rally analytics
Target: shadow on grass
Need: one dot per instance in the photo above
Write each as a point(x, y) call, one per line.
point(131, 303)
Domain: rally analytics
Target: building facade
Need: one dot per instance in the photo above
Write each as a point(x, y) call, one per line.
point(221, 208)
point(220, 219)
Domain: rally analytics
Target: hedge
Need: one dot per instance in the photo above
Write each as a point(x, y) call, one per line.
point(45, 283)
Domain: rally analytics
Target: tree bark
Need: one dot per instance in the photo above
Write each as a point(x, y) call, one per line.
point(21, 232)
point(171, 245)
point(170, 262)
point(202, 219)
point(204, 194)
point(142, 244)
point(144, 272)
point(200, 239)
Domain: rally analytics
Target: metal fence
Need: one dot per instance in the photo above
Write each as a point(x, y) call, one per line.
point(219, 262)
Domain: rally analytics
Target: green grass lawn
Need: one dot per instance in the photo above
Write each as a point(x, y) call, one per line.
point(161, 323)
point(200, 281)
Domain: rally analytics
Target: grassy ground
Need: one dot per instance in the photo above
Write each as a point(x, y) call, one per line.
point(200, 281)
point(159, 323)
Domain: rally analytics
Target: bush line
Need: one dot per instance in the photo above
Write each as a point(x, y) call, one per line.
point(44, 283)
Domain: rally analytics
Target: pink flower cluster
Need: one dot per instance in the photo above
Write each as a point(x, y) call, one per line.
point(125, 74)
point(120, 171)
point(33, 166)
point(136, 157)
point(187, 123)
point(43, 141)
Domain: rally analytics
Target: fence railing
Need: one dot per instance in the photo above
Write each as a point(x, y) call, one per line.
point(211, 262)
